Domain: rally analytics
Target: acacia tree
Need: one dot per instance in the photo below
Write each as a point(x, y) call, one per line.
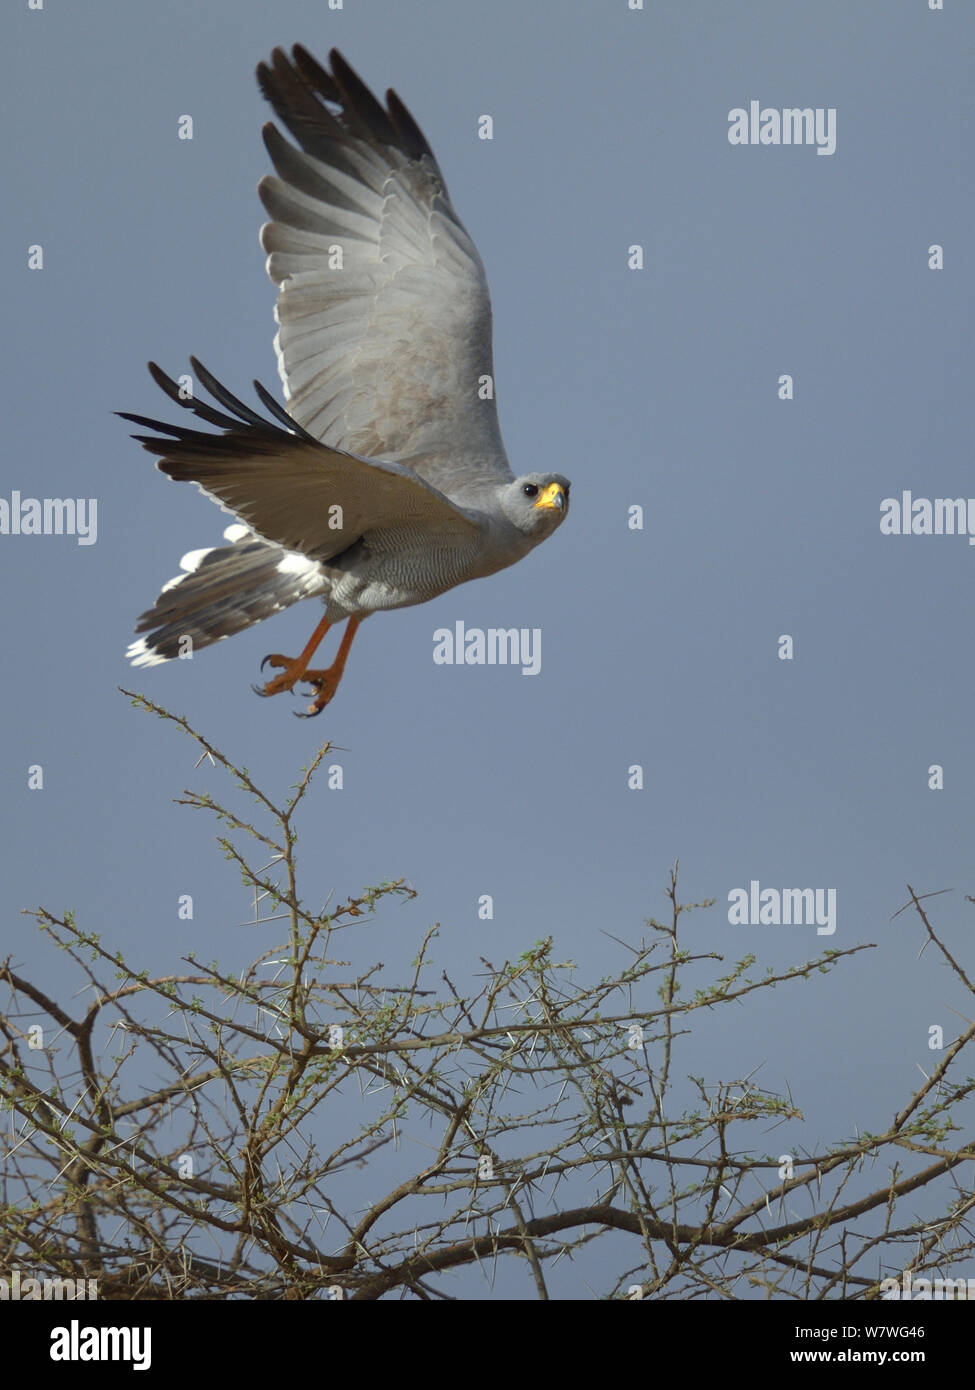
point(542, 1106)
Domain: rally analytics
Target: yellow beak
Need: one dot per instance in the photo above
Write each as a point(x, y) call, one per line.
point(553, 496)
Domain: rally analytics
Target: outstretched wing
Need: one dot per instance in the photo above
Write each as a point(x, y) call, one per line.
point(288, 487)
point(383, 307)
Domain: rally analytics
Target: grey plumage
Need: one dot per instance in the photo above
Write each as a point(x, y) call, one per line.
point(384, 481)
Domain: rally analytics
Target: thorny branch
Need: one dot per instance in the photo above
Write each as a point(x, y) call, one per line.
point(550, 1113)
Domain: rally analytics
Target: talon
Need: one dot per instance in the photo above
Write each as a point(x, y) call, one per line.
point(323, 682)
point(259, 690)
point(289, 675)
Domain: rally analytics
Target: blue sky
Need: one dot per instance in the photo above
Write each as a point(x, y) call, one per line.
point(656, 388)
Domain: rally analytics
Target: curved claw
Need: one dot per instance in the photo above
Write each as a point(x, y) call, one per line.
point(266, 660)
point(259, 690)
point(307, 714)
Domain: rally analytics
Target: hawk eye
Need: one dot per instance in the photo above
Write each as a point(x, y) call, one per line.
point(530, 490)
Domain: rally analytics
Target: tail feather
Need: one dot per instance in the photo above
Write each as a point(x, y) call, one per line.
point(223, 591)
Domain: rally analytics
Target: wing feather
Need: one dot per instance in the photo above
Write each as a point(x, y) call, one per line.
point(285, 484)
point(383, 307)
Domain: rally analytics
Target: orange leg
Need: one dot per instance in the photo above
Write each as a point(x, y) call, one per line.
point(296, 668)
point(327, 681)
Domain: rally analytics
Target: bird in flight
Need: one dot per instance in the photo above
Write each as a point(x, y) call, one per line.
point(383, 481)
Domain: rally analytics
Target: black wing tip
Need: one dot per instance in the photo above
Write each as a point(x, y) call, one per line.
point(309, 66)
point(240, 416)
point(294, 85)
point(341, 67)
point(162, 379)
point(157, 443)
